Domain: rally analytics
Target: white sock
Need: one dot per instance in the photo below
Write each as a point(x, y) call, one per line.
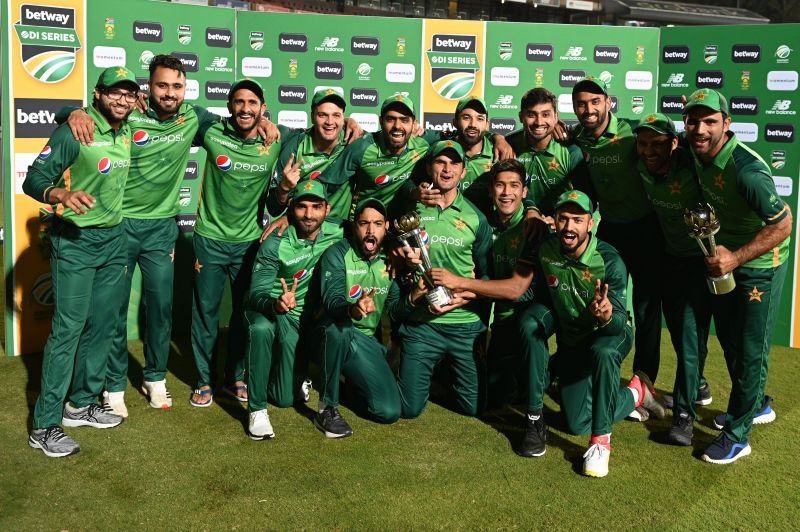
point(635, 393)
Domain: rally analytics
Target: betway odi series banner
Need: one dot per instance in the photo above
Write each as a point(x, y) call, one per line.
point(55, 49)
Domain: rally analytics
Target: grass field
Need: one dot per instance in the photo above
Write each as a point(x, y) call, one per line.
point(191, 468)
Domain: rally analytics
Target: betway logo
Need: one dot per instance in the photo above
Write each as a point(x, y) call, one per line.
point(292, 94)
point(709, 79)
point(452, 43)
point(675, 54)
point(147, 31)
point(364, 46)
point(46, 15)
point(219, 37)
point(671, 104)
point(744, 105)
point(779, 132)
point(539, 52)
point(746, 53)
point(42, 117)
point(606, 54)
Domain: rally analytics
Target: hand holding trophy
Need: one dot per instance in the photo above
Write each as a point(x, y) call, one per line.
point(410, 235)
point(703, 225)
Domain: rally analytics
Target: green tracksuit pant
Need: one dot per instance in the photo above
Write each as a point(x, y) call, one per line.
point(362, 360)
point(88, 267)
point(641, 246)
point(687, 311)
point(427, 344)
point(591, 398)
point(744, 321)
point(215, 262)
point(151, 245)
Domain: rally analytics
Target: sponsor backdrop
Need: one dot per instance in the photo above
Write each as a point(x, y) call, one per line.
point(756, 67)
point(55, 50)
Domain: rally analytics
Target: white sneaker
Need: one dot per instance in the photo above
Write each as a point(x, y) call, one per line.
point(260, 428)
point(306, 388)
point(595, 460)
point(157, 392)
point(115, 402)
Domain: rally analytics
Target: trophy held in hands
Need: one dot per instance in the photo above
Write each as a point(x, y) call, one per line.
point(410, 235)
point(703, 225)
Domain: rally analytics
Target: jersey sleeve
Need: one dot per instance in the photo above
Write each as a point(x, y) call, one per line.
point(482, 249)
point(617, 281)
point(45, 171)
point(333, 283)
point(205, 119)
point(265, 272)
point(578, 172)
point(397, 303)
point(346, 165)
point(755, 184)
point(62, 115)
point(431, 136)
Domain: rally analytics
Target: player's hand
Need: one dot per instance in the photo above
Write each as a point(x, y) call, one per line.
point(442, 277)
point(364, 306)
point(141, 101)
point(502, 149)
point(286, 301)
point(561, 133)
point(428, 195)
point(725, 261)
point(459, 299)
point(291, 175)
point(417, 130)
point(413, 257)
point(278, 225)
point(601, 307)
point(268, 131)
point(82, 126)
point(352, 130)
point(79, 201)
point(535, 225)
point(395, 259)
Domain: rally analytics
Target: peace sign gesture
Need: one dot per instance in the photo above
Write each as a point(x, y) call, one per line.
point(601, 307)
point(364, 306)
point(291, 174)
point(286, 301)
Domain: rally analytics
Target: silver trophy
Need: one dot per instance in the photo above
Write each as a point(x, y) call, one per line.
point(410, 234)
point(703, 225)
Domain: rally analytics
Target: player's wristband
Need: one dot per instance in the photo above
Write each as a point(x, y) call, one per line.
point(605, 323)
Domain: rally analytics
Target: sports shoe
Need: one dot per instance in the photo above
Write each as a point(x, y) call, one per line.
point(765, 415)
point(533, 443)
point(306, 390)
point(639, 415)
point(115, 402)
point(681, 431)
point(703, 397)
point(331, 422)
point(157, 392)
point(595, 459)
point(259, 427)
point(725, 451)
point(647, 397)
point(53, 442)
point(90, 416)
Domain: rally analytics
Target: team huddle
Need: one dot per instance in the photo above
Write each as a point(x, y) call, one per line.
point(467, 250)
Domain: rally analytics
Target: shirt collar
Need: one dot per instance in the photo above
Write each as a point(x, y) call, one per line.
point(588, 253)
point(100, 121)
point(230, 131)
point(307, 145)
point(516, 218)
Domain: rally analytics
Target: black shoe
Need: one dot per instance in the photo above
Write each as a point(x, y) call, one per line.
point(703, 397)
point(681, 431)
point(535, 436)
point(331, 422)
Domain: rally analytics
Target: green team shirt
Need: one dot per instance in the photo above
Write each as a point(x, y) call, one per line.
point(670, 195)
point(551, 171)
point(738, 184)
point(612, 161)
point(289, 258)
point(236, 176)
point(571, 285)
point(346, 275)
point(509, 246)
point(475, 184)
point(99, 169)
point(460, 240)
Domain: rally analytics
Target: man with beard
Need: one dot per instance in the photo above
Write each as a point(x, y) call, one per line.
point(276, 309)
point(628, 221)
point(355, 289)
point(84, 184)
point(753, 246)
point(238, 169)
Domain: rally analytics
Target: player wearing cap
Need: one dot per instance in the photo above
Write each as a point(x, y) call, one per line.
point(628, 221)
point(276, 305)
point(355, 289)
point(460, 240)
point(237, 171)
point(84, 183)
point(753, 245)
point(669, 180)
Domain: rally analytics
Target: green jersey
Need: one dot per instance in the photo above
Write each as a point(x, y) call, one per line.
point(612, 161)
point(99, 169)
point(509, 246)
point(738, 184)
point(670, 195)
point(292, 259)
point(571, 285)
point(237, 173)
point(475, 183)
point(346, 275)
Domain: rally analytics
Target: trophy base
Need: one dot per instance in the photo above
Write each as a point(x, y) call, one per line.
point(439, 296)
point(721, 285)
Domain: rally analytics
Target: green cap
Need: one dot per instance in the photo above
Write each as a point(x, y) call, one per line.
point(249, 84)
point(472, 101)
point(312, 188)
point(398, 100)
point(328, 95)
point(116, 75)
point(658, 122)
point(707, 98)
point(578, 198)
point(444, 145)
point(372, 203)
point(591, 84)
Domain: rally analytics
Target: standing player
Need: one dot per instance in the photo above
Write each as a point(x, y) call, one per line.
point(471, 121)
point(87, 255)
point(753, 245)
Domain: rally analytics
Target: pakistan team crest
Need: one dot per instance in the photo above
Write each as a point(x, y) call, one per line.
point(48, 41)
point(454, 64)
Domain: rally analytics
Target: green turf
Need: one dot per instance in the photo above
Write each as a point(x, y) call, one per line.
point(191, 468)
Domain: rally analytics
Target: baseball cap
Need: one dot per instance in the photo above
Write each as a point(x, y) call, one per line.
point(658, 122)
point(591, 84)
point(372, 203)
point(249, 84)
point(477, 103)
point(707, 98)
point(398, 100)
point(444, 145)
point(117, 75)
point(312, 188)
point(328, 95)
point(578, 198)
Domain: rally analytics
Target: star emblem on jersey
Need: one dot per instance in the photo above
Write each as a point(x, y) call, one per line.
point(719, 182)
point(553, 165)
point(674, 188)
point(263, 150)
point(755, 295)
point(487, 167)
point(514, 242)
point(460, 224)
point(615, 139)
point(587, 275)
point(126, 141)
point(415, 155)
point(180, 120)
point(197, 265)
point(120, 72)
